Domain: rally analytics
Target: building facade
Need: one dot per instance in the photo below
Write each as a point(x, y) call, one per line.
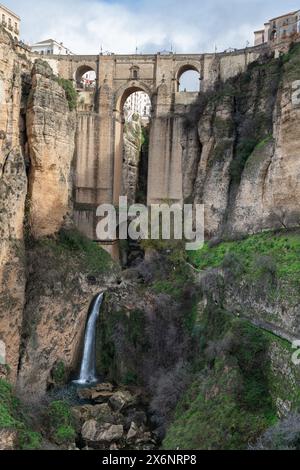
point(278, 28)
point(50, 47)
point(138, 103)
point(10, 21)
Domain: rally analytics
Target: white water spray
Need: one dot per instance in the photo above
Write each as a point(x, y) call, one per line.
point(88, 364)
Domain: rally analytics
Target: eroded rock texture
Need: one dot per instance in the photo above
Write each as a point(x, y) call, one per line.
point(13, 189)
point(51, 134)
point(242, 162)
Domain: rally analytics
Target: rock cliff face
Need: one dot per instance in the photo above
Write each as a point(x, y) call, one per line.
point(63, 276)
point(240, 146)
point(51, 133)
point(36, 138)
point(13, 189)
point(240, 154)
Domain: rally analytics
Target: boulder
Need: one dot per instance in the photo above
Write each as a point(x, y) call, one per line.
point(101, 413)
point(105, 387)
point(121, 399)
point(89, 430)
point(84, 393)
point(110, 433)
point(133, 432)
point(100, 397)
point(95, 434)
point(8, 439)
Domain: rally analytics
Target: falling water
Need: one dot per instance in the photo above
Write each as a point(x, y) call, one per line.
point(88, 364)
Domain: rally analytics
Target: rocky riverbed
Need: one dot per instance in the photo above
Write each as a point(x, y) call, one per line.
point(113, 418)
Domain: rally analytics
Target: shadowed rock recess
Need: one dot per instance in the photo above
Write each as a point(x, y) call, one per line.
point(193, 350)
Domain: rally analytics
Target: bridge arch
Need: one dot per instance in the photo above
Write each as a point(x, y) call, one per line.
point(189, 73)
point(126, 90)
point(121, 96)
point(81, 71)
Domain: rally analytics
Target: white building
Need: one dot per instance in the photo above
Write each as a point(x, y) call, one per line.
point(10, 21)
point(279, 28)
point(138, 103)
point(50, 47)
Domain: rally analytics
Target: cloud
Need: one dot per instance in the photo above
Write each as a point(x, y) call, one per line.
point(151, 25)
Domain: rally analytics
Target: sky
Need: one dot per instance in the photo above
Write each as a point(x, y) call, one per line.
point(121, 26)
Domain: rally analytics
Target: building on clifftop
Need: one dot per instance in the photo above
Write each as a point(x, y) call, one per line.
point(10, 21)
point(50, 47)
point(278, 28)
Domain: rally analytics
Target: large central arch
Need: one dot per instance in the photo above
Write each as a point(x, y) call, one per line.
point(120, 99)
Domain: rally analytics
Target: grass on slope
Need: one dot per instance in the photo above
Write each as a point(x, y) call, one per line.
point(281, 248)
point(12, 417)
point(71, 245)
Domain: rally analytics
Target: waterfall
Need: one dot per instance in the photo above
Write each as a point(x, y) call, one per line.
point(88, 363)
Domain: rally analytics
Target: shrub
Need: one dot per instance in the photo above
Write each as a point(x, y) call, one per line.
point(30, 440)
point(12, 416)
point(65, 435)
point(92, 255)
point(233, 264)
point(285, 435)
point(6, 419)
point(59, 414)
point(266, 268)
point(60, 422)
point(169, 386)
point(71, 93)
point(59, 373)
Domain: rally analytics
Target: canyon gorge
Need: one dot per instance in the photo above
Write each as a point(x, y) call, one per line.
point(193, 350)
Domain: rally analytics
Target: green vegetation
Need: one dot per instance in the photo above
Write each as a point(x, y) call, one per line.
point(71, 93)
point(78, 250)
point(60, 422)
point(132, 326)
point(265, 252)
point(13, 417)
point(231, 400)
point(233, 397)
point(176, 276)
point(291, 62)
point(30, 440)
point(210, 418)
point(65, 435)
point(59, 373)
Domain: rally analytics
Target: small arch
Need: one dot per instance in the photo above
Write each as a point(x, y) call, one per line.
point(125, 91)
point(188, 79)
point(85, 77)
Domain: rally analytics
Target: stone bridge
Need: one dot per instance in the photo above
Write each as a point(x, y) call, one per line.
point(99, 156)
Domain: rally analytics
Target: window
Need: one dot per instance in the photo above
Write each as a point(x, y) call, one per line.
point(9, 21)
point(3, 19)
point(135, 74)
